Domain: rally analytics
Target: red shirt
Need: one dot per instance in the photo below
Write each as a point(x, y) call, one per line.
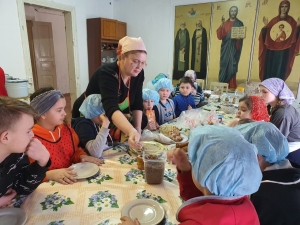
point(3, 91)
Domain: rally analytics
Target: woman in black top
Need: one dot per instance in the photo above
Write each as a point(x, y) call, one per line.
point(120, 85)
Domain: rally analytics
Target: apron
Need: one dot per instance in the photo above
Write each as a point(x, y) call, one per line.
point(60, 149)
point(115, 132)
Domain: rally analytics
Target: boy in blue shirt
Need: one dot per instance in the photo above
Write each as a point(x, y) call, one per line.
point(184, 101)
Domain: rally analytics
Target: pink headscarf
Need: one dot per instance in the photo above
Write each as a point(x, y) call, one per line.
point(279, 89)
point(130, 44)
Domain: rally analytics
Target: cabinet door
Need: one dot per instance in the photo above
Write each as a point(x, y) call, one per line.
point(121, 30)
point(108, 29)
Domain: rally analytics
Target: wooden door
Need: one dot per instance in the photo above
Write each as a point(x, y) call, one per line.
point(121, 30)
point(32, 55)
point(44, 54)
point(108, 29)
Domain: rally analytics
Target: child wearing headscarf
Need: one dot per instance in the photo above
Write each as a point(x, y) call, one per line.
point(223, 167)
point(60, 140)
point(251, 107)
point(91, 136)
point(284, 116)
point(150, 98)
point(164, 110)
point(278, 199)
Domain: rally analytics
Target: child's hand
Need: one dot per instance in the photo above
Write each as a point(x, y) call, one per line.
point(7, 197)
point(152, 126)
point(189, 107)
point(37, 151)
point(157, 126)
point(194, 91)
point(63, 176)
point(179, 157)
point(127, 221)
point(91, 159)
point(234, 122)
point(105, 120)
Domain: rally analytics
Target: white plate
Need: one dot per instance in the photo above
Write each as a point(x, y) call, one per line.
point(85, 169)
point(149, 145)
point(165, 140)
point(170, 147)
point(185, 138)
point(147, 211)
point(12, 216)
point(209, 107)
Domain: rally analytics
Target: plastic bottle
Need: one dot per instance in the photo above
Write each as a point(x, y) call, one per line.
point(239, 93)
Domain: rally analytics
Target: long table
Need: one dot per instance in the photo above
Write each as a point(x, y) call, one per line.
point(99, 200)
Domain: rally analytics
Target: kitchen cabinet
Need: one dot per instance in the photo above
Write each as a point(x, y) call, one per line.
point(103, 36)
point(121, 29)
point(108, 29)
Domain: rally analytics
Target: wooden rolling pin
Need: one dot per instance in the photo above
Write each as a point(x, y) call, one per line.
point(183, 146)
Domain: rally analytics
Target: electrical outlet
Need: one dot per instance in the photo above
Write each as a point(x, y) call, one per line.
point(30, 80)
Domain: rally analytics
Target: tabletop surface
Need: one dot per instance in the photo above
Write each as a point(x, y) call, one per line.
point(99, 200)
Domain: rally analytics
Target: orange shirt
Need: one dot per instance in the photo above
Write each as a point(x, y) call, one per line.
point(62, 144)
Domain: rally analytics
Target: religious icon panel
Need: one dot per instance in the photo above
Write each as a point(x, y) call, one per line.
point(277, 42)
point(231, 40)
point(192, 28)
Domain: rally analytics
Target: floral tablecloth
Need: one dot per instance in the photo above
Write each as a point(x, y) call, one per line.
point(99, 200)
point(228, 111)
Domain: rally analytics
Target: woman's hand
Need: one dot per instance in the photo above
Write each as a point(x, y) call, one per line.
point(63, 176)
point(134, 138)
point(7, 197)
point(91, 159)
point(127, 221)
point(179, 157)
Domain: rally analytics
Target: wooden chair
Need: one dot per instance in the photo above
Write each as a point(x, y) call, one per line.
point(201, 83)
point(218, 85)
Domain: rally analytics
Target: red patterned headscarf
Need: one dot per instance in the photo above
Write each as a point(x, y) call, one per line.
point(259, 109)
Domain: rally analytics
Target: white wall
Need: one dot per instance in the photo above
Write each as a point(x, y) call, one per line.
point(57, 19)
point(11, 57)
point(154, 22)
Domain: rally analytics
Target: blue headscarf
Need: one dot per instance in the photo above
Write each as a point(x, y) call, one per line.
point(45, 101)
point(92, 106)
point(158, 77)
point(163, 83)
point(150, 95)
point(223, 161)
point(269, 141)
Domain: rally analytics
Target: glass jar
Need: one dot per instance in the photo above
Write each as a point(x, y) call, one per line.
point(239, 93)
point(154, 165)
